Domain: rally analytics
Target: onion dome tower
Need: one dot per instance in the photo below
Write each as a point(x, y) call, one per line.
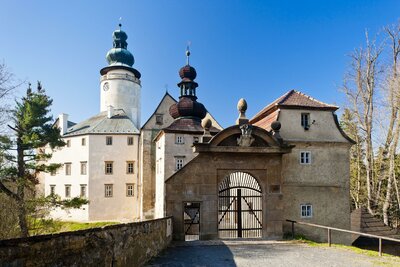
point(187, 113)
point(120, 86)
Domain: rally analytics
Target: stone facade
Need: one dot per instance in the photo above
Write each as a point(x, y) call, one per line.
point(158, 120)
point(131, 244)
point(199, 180)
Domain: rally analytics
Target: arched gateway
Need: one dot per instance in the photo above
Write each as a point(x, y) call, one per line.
point(239, 207)
point(232, 188)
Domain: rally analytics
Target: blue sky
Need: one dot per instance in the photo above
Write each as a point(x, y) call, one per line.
point(257, 50)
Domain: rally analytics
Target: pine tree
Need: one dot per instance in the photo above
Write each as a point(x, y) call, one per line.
point(22, 156)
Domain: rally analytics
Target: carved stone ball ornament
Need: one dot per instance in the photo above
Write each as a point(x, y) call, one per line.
point(276, 126)
point(242, 106)
point(206, 124)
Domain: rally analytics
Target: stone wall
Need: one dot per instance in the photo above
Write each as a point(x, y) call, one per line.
point(131, 244)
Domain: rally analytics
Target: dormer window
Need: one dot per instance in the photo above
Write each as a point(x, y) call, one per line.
point(305, 120)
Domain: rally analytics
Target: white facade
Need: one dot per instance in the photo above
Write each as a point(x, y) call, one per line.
point(120, 89)
point(95, 153)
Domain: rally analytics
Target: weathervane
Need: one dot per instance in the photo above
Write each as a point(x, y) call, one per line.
point(188, 52)
point(120, 25)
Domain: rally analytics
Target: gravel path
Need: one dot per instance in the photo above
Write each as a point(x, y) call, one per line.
point(263, 253)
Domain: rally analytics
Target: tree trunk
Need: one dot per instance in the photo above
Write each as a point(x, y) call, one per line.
point(22, 218)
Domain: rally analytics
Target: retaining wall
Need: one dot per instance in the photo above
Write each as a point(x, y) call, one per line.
point(131, 244)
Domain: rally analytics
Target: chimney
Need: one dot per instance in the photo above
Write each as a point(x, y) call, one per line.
point(63, 123)
point(110, 111)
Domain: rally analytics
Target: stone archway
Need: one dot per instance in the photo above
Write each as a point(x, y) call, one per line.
point(239, 206)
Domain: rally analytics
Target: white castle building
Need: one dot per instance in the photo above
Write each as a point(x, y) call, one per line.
point(108, 158)
point(181, 162)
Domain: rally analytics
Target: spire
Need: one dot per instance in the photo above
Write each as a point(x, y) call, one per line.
point(188, 107)
point(188, 74)
point(187, 54)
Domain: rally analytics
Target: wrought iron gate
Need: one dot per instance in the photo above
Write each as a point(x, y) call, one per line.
point(191, 217)
point(239, 207)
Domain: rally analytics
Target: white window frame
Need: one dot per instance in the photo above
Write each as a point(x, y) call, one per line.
point(68, 168)
point(108, 169)
point(52, 189)
point(130, 170)
point(130, 190)
point(83, 193)
point(179, 139)
point(108, 190)
point(129, 140)
point(308, 211)
point(179, 163)
point(304, 162)
point(109, 140)
point(67, 192)
point(83, 167)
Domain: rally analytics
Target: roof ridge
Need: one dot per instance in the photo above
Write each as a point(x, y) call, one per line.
point(312, 98)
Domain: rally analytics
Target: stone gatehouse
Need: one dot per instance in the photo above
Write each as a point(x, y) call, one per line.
point(246, 181)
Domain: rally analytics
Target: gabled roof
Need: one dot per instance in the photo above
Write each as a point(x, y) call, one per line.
point(119, 123)
point(159, 104)
point(293, 100)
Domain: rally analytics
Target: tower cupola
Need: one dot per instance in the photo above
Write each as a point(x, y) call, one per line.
point(187, 106)
point(119, 54)
point(119, 82)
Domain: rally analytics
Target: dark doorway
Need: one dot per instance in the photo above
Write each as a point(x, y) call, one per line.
point(239, 207)
point(191, 217)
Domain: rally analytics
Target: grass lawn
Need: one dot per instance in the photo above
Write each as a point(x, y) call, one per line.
point(42, 227)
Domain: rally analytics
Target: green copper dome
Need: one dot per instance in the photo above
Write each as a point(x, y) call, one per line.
point(119, 54)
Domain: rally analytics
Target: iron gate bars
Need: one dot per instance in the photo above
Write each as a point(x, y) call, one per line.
point(239, 207)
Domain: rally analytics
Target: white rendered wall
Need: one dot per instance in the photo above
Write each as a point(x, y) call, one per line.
point(160, 171)
point(75, 154)
point(166, 151)
point(119, 207)
point(322, 126)
point(124, 93)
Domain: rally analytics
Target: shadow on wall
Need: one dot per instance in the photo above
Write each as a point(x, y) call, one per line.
point(195, 253)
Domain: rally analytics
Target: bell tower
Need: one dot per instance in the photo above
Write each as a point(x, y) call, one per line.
point(120, 85)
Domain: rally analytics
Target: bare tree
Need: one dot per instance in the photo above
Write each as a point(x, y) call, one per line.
point(393, 101)
point(360, 88)
point(7, 86)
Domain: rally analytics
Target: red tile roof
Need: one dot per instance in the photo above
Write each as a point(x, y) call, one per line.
point(294, 100)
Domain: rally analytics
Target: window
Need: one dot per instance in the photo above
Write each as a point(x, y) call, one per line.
point(67, 168)
point(306, 210)
point(130, 141)
point(109, 167)
point(52, 189)
point(108, 140)
point(178, 163)
point(305, 157)
point(53, 172)
point(129, 190)
point(129, 167)
point(83, 190)
point(83, 167)
point(67, 190)
point(195, 139)
point(68, 143)
point(108, 190)
point(305, 120)
point(83, 141)
point(179, 139)
point(159, 119)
